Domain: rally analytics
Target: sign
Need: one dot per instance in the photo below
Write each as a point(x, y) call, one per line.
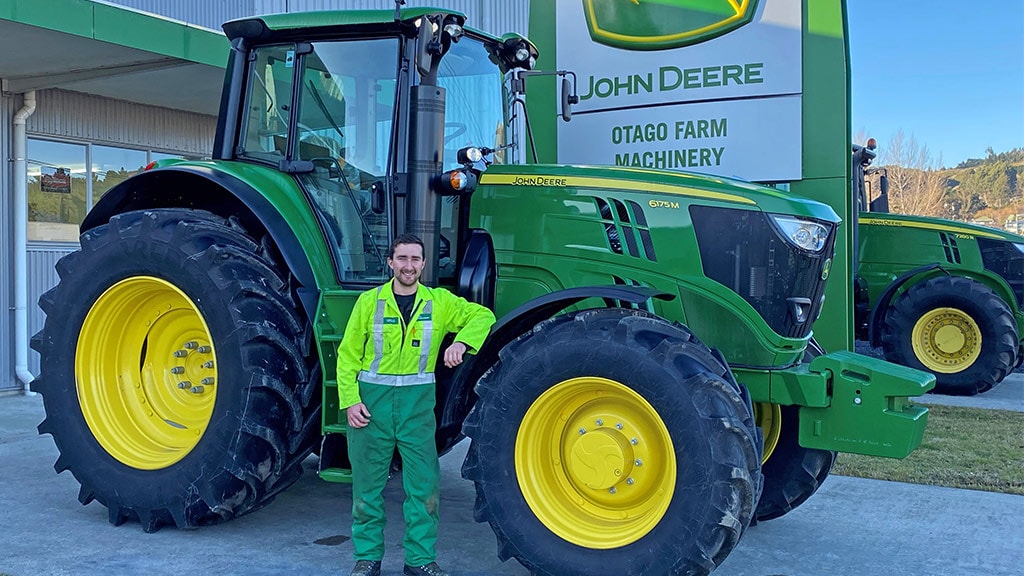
point(53, 179)
point(720, 85)
point(739, 139)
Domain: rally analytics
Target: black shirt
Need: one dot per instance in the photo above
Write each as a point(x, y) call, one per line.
point(405, 305)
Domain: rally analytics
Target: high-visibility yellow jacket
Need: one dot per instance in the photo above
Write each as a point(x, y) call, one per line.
point(379, 348)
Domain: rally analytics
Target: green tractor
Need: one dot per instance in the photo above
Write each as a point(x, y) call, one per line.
point(941, 296)
point(651, 387)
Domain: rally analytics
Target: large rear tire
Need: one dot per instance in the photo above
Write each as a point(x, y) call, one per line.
point(956, 328)
point(612, 442)
point(176, 370)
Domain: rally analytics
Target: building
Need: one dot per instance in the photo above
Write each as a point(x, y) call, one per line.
point(90, 92)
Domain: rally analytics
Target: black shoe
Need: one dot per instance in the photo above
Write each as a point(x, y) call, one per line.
point(367, 568)
point(431, 569)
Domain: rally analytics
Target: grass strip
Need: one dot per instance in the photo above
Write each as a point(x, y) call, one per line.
point(962, 448)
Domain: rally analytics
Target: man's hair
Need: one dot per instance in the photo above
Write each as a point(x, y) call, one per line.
point(405, 239)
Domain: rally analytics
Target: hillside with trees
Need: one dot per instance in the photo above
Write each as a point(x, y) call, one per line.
point(987, 190)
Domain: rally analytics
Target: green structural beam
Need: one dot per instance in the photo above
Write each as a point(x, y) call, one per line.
point(122, 27)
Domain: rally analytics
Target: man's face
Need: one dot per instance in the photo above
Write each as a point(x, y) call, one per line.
point(407, 264)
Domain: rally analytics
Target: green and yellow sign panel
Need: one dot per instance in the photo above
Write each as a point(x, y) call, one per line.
point(663, 24)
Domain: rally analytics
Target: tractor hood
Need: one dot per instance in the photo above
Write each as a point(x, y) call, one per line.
point(660, 185)
point(938, 225)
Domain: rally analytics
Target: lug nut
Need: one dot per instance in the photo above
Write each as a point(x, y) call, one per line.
point(612, 490)
point(208, 381)
point(208, 364)
point(629, 481)
point(634, 441)
point(639, 462)
point(184, 385)
point(204, 349)
point(180, 353)
point(583, 431)
point(178, 370)
point(600, 422)
point(191, 345)
point(196, 389)
point(618, 425)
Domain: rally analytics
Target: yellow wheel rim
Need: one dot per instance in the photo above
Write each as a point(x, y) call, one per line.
point(146, 375)
point(768, 418)
point(947, 340)
point(595, 463)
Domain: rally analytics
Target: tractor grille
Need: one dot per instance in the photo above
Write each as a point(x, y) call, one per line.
point(1004, 259)
point(742, 250)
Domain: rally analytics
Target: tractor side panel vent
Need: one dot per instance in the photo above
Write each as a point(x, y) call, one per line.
point(950, 247)
point(645, 233)
point(622, 225)
point(611, 231)
point(627, 230)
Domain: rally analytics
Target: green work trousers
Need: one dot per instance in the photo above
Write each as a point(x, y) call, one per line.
point(402, 417)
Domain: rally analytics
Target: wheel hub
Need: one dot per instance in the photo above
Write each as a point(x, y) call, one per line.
point(599, 459)
point(595, 462)
point(145, 372)
point(947, 340)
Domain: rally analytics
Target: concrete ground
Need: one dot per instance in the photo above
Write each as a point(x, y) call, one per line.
point(852, 526)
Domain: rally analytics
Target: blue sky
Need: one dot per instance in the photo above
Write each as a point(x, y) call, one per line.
point(948, 72)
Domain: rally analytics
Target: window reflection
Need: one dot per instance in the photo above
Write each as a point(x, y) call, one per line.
point(111, 166)
point(62, 188)
point(57, 190)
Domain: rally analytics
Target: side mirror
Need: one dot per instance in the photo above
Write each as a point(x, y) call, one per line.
point(424, 58)
point(377, 198)
point(568, 99)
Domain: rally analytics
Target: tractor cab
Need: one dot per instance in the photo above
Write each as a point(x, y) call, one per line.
point(367, 123)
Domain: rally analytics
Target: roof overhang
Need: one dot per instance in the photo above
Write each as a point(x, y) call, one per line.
point(110, 51)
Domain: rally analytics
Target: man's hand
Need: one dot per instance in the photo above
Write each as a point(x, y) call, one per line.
point(358, 415)
point(453, 355)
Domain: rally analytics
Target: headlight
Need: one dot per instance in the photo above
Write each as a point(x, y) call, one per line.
point(804, 234)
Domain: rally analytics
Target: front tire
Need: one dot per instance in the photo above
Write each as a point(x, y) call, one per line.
point(176, 371)
point(792, 473)
point(611, 442)
point(956, 328)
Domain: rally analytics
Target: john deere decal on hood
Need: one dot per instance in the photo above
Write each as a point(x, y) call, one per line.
point(662, 24)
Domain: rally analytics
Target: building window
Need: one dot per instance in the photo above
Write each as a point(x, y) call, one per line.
point(58, 189)
point(62, 189)
point(111, 166)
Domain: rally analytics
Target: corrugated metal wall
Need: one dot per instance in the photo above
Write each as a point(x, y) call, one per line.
point(202, 12)
point(8, 105)
point(497, 17)
point(42, 258)
point(102, 120)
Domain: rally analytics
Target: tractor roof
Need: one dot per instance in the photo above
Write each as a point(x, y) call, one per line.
point(293, 25)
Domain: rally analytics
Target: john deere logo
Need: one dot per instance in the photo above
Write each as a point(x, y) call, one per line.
point(662, 24)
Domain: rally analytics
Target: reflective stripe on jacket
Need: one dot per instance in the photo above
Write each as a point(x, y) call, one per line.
point(379, 348)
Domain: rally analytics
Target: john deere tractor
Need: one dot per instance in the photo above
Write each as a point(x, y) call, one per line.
point(654, 341)
point(937, 295)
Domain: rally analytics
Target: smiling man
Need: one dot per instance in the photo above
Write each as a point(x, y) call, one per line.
point(386, 384)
